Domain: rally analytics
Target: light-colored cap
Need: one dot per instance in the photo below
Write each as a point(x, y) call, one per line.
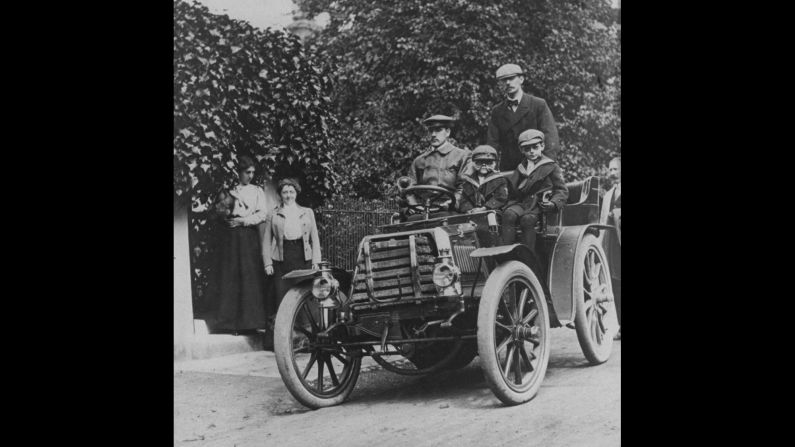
point(530, 136)
point(508, 70)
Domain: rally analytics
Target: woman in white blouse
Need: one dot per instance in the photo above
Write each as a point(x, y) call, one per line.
point(236, 291)
point(291, 241)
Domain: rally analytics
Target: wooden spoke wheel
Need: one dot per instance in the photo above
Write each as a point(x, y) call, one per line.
point(513, 333)
point(595, 317)
point(317, 376)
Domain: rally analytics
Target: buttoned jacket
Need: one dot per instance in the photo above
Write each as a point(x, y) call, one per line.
point(441, 166)
point(273, 239)
point(505, 125)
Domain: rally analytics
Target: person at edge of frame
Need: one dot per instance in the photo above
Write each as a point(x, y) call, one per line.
point(483, 189)
point(611, 215)
point(537, 173)
point(440, 165)
point(519, 111)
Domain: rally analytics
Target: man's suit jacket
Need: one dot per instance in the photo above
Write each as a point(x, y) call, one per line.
point(505, 126)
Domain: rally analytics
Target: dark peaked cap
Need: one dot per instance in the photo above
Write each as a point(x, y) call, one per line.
point(439, 121)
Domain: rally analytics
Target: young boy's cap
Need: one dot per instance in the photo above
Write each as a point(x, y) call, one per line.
point(530, 136)
point(484, 152)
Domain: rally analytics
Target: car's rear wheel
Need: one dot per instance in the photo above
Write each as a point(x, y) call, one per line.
point(513, 333)
point(595, 313)
point(316, 374)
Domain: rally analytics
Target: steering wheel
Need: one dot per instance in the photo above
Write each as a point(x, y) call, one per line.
point(428, 193)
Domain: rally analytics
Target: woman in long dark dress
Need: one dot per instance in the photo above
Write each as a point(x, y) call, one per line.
point(291, 240)
point(237, 286)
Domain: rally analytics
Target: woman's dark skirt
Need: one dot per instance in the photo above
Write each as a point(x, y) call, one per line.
point(293, 260)
point(237, 286)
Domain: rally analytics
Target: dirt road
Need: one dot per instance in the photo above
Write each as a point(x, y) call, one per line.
point(240, 405)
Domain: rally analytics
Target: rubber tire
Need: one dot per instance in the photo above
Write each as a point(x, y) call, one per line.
point(487, 313)
point(595, 353)
point(283, 340)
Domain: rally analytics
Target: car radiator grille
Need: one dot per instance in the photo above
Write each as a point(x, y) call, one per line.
point(386, 265)
point(464, 262)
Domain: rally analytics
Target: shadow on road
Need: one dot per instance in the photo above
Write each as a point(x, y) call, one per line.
point(463, 388)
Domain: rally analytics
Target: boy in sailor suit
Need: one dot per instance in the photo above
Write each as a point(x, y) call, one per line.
point(537, 173)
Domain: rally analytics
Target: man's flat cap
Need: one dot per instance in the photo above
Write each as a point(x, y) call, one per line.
point(484, 151)
point(438, 121)
point(530, 136)
point(508, 70)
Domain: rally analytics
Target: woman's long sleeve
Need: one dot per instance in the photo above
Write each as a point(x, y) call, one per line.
point(260, 210)
point(267, 241)
point(315, 240)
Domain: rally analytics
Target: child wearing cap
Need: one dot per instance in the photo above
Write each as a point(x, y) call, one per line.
point(484, 188)
point(537, 173)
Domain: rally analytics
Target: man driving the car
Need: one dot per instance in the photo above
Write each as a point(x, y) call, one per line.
point(442, 164)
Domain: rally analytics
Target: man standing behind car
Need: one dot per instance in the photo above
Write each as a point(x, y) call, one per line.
point(517, 113)
point(611, 207)
point(441, 165)
point(611, 215)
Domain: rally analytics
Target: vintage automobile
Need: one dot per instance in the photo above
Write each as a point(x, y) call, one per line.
point(426, 296)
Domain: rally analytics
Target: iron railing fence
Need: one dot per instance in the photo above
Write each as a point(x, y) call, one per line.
point(342, 223)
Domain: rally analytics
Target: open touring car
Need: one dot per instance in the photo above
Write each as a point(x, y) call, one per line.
point(427, 295)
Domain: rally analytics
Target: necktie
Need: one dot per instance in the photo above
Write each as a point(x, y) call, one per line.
point(513, 103)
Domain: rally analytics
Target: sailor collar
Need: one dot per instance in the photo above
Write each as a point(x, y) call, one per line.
point(473, 179)
point(525, 171)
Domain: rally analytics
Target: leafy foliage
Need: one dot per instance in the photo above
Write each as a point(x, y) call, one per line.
point(398, 61)
point(241, 91)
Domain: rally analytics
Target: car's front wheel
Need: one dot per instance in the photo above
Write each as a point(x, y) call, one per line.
point(513, 333)
point(317, 372)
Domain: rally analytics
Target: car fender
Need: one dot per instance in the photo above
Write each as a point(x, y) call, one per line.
point(519, 252)
point(297, 277)
point(561, 267)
